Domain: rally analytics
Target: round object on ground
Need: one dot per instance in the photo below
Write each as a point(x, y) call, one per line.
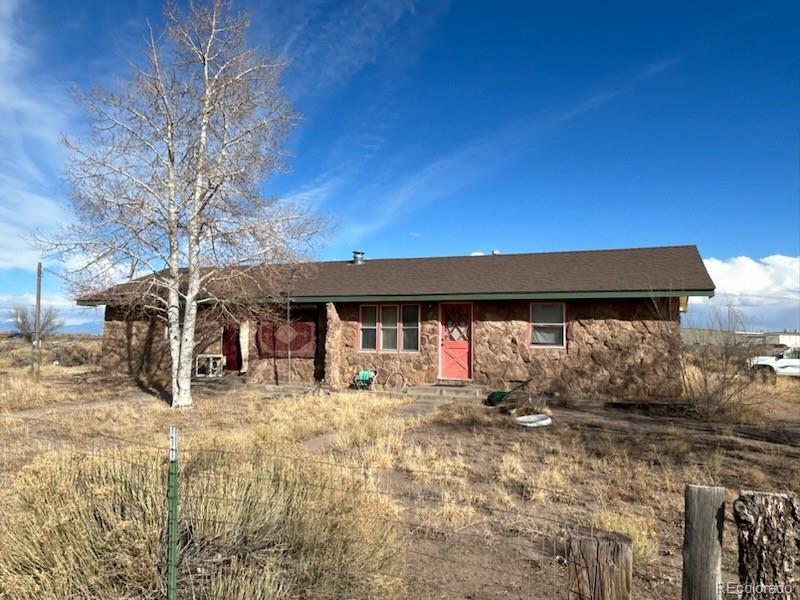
point(533, 421)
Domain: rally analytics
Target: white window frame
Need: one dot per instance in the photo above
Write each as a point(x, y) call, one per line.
point(563, 324)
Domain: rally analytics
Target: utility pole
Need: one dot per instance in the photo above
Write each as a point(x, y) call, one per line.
point(36, 350)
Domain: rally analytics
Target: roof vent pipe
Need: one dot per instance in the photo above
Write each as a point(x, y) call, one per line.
point(358, 257)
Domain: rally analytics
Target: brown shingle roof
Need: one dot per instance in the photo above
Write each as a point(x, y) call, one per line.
point(602, 272)
point(673, 268)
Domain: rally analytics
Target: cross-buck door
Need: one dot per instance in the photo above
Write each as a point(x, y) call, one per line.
point(456, 347)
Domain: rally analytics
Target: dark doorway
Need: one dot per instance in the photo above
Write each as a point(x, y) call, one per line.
point(230, 348)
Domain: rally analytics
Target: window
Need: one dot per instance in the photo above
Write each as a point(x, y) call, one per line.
point(369, 327)
point(547, 324)
point(390, 328)
point(411, 328)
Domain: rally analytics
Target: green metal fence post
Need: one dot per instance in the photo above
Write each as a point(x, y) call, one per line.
point(172, 524)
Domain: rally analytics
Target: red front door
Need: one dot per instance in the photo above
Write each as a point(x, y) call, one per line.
point(456, 334)
point(230, 348)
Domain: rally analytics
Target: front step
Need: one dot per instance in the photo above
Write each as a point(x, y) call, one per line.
point(447, 391)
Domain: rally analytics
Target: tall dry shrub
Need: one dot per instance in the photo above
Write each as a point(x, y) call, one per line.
point(714, 368)
point(249, 528)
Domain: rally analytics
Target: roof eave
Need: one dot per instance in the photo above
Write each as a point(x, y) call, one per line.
point(596, 295)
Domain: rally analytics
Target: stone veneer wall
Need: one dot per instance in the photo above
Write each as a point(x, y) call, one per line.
point(135, 349)
point(138, 348)
point(278, 370)
point(343, 359)
point(615, 349)
point(283, 370)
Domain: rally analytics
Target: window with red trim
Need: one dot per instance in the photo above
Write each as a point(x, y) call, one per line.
point(389, 327)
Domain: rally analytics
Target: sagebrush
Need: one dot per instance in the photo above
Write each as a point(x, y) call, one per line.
point(250, 527)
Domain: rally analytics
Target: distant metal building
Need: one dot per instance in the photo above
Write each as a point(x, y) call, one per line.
point(783, 338)
point(718, 337)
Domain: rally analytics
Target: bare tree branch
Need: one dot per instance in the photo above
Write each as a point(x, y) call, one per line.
point(166, 185)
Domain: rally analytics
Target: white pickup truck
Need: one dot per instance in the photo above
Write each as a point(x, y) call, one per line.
point(786, 362)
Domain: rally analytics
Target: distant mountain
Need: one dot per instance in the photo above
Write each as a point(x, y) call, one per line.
point(88, 327)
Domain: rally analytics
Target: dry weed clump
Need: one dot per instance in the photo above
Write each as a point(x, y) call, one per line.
point(642, 531)
point(452, 511)
point(468, 415)
point(19, 391)
point(249, 527)
point(428, 464)
point(714, 370)
point(297, 419)
point(76, 354)
point(510, 468)
point(375, 443)
point(66, 350)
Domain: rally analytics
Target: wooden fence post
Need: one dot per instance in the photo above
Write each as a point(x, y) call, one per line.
point(600, 567)
point(704, 514)
point(769, 542)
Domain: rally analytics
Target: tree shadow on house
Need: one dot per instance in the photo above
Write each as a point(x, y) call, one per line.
point(147, 358)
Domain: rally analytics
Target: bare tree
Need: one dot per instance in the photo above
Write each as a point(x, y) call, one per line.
point(166, 186)
point(23, 320)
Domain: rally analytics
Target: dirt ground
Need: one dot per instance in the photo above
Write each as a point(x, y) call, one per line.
point(589, 464)
point(486, 507)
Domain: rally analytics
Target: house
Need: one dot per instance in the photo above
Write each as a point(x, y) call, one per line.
point(602, 322)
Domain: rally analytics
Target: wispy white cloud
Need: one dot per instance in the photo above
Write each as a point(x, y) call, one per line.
point(765, 290)
point(396, 196)
point(32, 117)
point(66, 307)
point(326, 44)
point(316, 192)
point(327, 48)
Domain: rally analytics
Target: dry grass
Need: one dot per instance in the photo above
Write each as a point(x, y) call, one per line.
point(19, 391)
point(249, 528)
point(61, 383)
point(449, 470)
point(642, 531)
point(778, 401)
point(259, 520)
point(66, 350)
point(510, 469)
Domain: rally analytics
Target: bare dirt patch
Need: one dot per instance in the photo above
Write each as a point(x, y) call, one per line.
point(496, 497)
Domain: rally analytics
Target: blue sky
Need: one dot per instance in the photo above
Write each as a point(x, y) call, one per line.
point(441, 128)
